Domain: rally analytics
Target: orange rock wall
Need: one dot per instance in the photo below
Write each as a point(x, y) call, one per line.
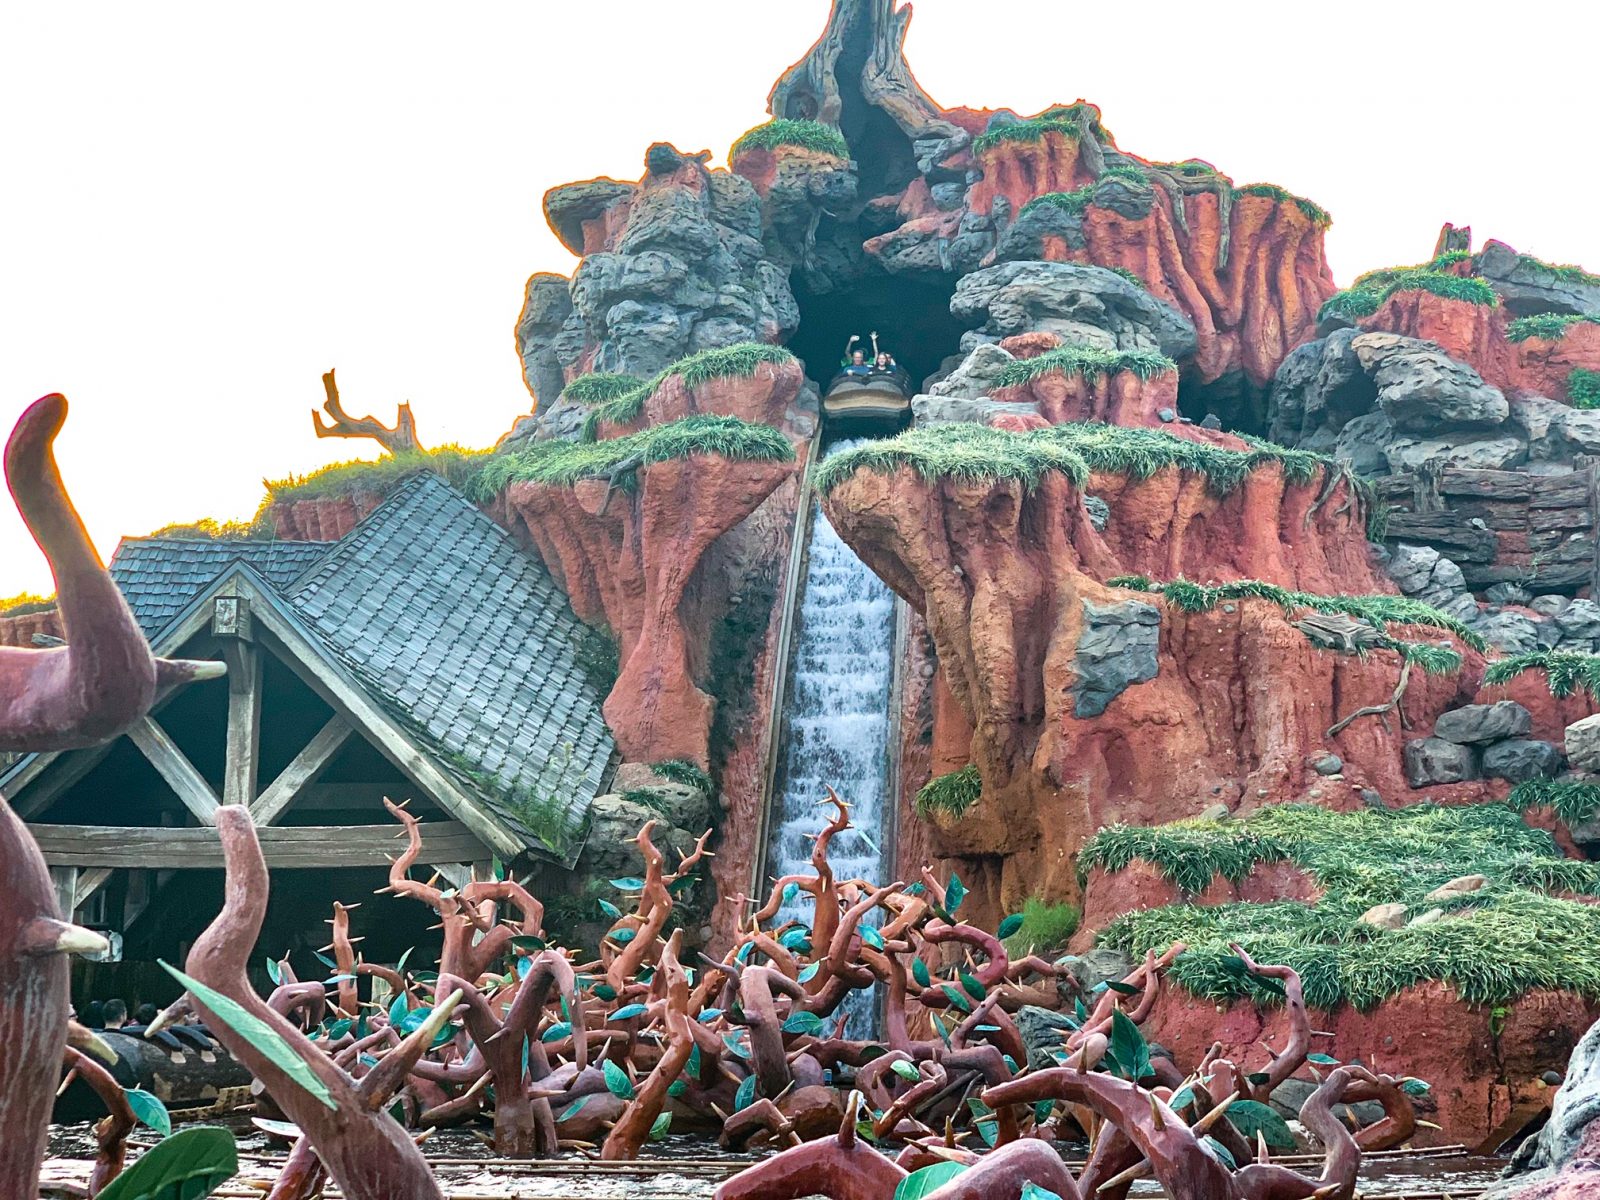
point(19, 630)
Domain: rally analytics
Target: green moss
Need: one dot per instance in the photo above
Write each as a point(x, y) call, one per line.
point(950, 794)
point(209, 527)
point(684, 773)
point(1380, 610)
point(1044, 930)
point(1311, 209)
point(1565, 672)
point(1070, 120)
point(24, 603)
point(738, 360)
point(1435, 660)
point(1574, 803)
point(811, 135)
point(1127, 173)
point(1367, 294)
point(1448, 259)
point(456, 464)
point(1130, 276)
point(1089, 361)
point(598, 386)
point(976, 452)
point(1583, 388)
point(562, 464)
point(1551, 327)
point(1190, 168)
point(1491, 946)
point(1073, 203)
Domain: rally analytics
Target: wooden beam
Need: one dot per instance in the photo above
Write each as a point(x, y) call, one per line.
point(305, 767)
point(175, 767)
point(244, 722)
point(65, 882)
point(90, 881)
point(286, 847)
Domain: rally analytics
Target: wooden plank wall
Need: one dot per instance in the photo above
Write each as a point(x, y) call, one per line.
point(1502, 526)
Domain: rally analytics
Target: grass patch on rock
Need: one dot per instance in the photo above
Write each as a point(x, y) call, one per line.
point(950, 795)
point(1573, 801)
point(1564, 671)
point(599, 386)
point(1583, 388)
point(1091, 362)
point(1378, 610)
point(1368, 293)
point(1552, 327)
point(1070, 120)
point(1044, 930)
point(1314, 211)
point(809, 135)
point(624, 405)
point(562, 464)
point(1492, 945)
point(455, 464)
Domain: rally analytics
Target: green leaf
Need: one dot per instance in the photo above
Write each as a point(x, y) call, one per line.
point(807, 1023)
point(1008, 927)
point(608, 909)
point(1220, 1152)
point(954, 893)
point(809, 973)
point(1032, 1191)
point(1258, 1078)
point(149, 1109)
point(190, 1164)
point(617, 1081)
point(1252, 1116)
point(1124, 989)
point(398, 1010)
point(528, 942)
point(974, 988)
point(574, 1108)
point(871, 937)
point(400, 967)
point(944, 1032)
point(1415, 1087)
point(499, 869)
point(1042, 1110)
point(1322, 1060)
point(797, 939)
point(791, 891)
point(621, 936)
point(605, 991)
point(907, 1071)
point(325, 960)
point(677, 1088)
point(746, 1095)
point(732, 1042)
point(1128, 1048)
point(556, 1032)
point(919, 972)
point(929, 1179)
point(340, 1027)
point(956, 998)
point(629, 883)
point(274, 971)
point(1182, 1098)
point(628, 1012)
point(258, 1033)
point(660, 1126)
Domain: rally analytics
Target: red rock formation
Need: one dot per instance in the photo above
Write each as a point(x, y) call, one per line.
point(1543, 366)
point(1480, 1065)
point(1122, 398)
point(762, 398)
point(19, 630)
point(325, 519)
point(627, 561)
point(1242, 697)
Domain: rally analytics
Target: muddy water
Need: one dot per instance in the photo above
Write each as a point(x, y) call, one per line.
point(683, 1168)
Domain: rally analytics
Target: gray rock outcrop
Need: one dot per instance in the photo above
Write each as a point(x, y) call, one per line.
point(1116, 649)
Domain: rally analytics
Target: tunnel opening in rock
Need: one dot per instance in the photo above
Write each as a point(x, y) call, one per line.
point(911, 316)
point(1240, 405)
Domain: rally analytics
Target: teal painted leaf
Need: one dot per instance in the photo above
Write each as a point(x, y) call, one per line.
point(498, 868)
point(677, 1088)
point(608, 909)
point(708, 1015)
point(528, 942)
point(605, 991)
point(974, 988)
point(190, 1164)
point(944, 1033)
point(1123, 989)
point(1182, 1098)
point(1220, 1152)
point(621, 936)
point(274, 971)
point(1032, 1191)
point(1042, 1110)
point(907, 1071)
point(325, 960)
point(629, 883)
point(660, 1126)
point(810, 972)
point(956, 998)
point(1323, 1060)
point(954, 893)
point(746, 1095)
point(1415, 1087)
point(149, 1109)
point(258, 1033)
point(617, 1080)
point(919, 972)
point(1008, 927)
point(929, 1179)
point(574, 1108)
point(398, 1010)
point(791, 892)
point(871, 937)
point(1128, 1048)
point(732, 1042)
point(341, 1027)
point(628, 1012)
point(1251, 1116)
point(556, 1032)
point(807, 1023)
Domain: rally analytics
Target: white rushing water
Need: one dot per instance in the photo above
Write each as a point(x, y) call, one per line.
point(836, 723)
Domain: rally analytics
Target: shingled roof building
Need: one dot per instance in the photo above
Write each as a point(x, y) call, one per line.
point(422, 657)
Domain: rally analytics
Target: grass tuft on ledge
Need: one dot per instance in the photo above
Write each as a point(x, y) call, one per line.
point(562, 464)
point(950, 795)
point(455, 464)
point(599, 386)
point(1070, 120)
point(1368, 293)
point(1312, 210)
point(1573, 802)
point(624, 405)
point(1379, 610)
point(1044, 930)
point(24, 603)
point(1551, 327)
point(1565, 272)
point(1583, 388)
point(1565, 672)
point(1091, 362)
point(809, 135)
point(1492, 946)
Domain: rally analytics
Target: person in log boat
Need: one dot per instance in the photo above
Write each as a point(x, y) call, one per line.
point(868, 390)
point(855, 361)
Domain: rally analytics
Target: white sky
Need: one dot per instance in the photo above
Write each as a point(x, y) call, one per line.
point(207, 205)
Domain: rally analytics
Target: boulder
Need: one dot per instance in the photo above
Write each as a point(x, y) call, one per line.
point(1079, 303)
point(1579, 621)
point(1433, 760)
point(1327, 764)
point(1362, 442)
point(1468, 451)
point(1411, 566)
point(1509, 632)
point(1448, 576)
point(1116, 649)
point(1521, 759)
point(1320, 386)
point(1385, 916)
point(1421, 389)
point(978, 374)
point(1100, 965)
point(1508, 593)
point(1480, 724)
point(943, 410)
point(1583, 744)
point(1528, 286)
point(1581, 429)
point(1462, 885)
point(1541, 421)
point(1044, 1032)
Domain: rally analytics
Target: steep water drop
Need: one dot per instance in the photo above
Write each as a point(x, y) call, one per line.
point(836, 724)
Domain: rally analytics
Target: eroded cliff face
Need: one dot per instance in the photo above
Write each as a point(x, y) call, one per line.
point(325, 519)
point(1228, 705)
point(20, 629)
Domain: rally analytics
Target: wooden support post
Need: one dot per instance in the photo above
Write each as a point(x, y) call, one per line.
point(269, 806)
point(244, 722)
point(65, 882)
point(90, 881)
point(176, 769)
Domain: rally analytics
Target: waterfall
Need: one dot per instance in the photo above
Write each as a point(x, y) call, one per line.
point(836, 725)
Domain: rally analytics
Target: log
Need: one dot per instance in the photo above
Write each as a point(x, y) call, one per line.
point(285, 847)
